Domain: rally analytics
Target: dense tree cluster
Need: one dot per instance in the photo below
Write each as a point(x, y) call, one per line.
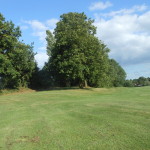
point(78, 57)
point(16, 58)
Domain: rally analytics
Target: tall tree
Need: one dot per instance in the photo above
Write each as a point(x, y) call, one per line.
point(16, 58)
point(77, 55)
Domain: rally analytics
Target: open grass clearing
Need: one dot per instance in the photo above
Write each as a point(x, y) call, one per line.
point(75, 119)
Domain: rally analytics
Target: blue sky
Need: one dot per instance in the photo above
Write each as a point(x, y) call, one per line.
point(124, 26)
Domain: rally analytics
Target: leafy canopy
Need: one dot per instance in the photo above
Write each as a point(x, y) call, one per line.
point(77, 56)
point(16, 58)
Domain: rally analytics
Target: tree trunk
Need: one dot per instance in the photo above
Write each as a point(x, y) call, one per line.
point(85, 84)
point(81, 85)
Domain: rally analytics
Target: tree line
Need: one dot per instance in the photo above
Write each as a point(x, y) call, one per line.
point(76, 57)
point(141, 81)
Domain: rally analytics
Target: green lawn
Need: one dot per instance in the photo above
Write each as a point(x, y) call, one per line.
point(75, 119)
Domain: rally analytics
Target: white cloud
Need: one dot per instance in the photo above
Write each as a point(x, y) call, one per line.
point(144, 22)
point(100, 5)
point(127, 35)
point(41, 58)
point(134, 9)
point(52, 22)
point(40, 34)
point(24, 27)
point(39, 30)
point(36, 25)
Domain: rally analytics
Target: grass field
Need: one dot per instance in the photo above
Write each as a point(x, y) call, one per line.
point(88, 119)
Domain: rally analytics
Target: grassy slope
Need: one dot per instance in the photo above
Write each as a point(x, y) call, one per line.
point(92, 119)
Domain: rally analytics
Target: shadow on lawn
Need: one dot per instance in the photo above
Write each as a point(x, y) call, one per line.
point(24, 90)
point(63, 88)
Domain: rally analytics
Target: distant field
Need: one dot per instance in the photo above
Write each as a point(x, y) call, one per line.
point(75, 119)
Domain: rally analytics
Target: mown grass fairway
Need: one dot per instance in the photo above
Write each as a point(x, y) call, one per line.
point(88, 119)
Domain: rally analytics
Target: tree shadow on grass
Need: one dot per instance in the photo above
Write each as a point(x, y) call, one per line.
point(63, 88)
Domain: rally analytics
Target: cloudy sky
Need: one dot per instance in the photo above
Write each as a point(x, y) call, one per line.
point(124, 26)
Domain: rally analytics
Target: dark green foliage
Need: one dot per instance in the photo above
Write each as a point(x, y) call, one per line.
point(16, 58)
point(68, 57)
point(128, 83)
point(141, 81)
point(77, 57)
point(35, 79)
point(41, 79)
point(116, 74)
